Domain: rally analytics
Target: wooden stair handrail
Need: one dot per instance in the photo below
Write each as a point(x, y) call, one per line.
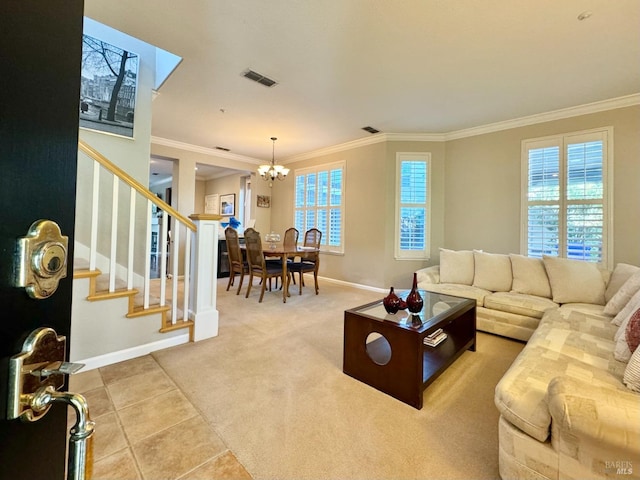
point(133, 183)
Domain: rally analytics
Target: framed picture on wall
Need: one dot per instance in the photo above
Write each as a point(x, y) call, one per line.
point(228, 204)
point(212, 204)
point(264, 201)
point(109, 79)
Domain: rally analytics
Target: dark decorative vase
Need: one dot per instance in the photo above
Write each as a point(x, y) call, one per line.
point(414, 300)
point(391, 302)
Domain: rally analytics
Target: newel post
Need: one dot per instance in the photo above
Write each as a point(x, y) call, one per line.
point(204, 268)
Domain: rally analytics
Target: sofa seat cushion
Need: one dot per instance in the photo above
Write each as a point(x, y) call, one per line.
point(519, 303)
point(582, 347)
point(580, 320)
point(587, 308)
point(518, 327)
point(584, 337)
point(458, 290)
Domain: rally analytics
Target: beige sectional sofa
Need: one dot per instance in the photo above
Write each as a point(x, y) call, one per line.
point(513, 291)
point(570, 403)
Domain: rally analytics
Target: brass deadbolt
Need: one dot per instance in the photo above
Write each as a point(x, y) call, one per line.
point(41, 259)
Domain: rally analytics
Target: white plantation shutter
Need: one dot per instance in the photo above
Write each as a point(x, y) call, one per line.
point(585, 201)
point(319, 203)
point(412, 206)
point(543, 192)
point(565, 197)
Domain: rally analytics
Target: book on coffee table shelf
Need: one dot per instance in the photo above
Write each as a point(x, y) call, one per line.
point(435, 338)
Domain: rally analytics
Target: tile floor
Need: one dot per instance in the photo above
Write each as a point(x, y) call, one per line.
point(146, 429)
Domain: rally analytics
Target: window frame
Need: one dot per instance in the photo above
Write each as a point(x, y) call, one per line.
point(325, 247)
point(413, 255)
point(604, 134)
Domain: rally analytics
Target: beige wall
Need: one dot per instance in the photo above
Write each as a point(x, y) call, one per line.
point(369, 215)
point(198, 204)
point(475, 188)
point(482, 184)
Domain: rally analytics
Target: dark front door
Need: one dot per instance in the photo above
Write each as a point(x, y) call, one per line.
point(40, 48)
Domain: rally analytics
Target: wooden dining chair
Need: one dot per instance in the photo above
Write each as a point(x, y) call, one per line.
point(237, 264)
point(291, 241)
point(257, 264)
point(309, 263)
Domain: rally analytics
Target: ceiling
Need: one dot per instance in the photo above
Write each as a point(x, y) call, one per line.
point(410, 66)
point(161, 171)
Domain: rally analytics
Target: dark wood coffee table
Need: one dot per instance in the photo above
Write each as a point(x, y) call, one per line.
point(387, 351)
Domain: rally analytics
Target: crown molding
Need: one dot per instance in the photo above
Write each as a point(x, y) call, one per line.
point(415, 137)
point(595, 107)
point(203, 150)
point(362, 142)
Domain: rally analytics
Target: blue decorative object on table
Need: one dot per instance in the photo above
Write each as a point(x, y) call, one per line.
point(233, 221)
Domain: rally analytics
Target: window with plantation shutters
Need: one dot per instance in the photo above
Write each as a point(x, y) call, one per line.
point(319, 203)
point(412, 206)
point(566, 207)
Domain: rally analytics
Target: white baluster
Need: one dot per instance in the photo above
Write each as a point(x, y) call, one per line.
point(93, 252)
point(114, 235)
point(132, 238)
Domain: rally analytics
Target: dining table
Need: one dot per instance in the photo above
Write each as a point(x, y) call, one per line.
point(278, 250)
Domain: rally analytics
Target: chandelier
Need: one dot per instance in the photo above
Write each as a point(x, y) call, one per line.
point(272, 171)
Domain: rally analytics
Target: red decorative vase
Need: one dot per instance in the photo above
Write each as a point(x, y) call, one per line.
point(414, 300)
point(391, 302)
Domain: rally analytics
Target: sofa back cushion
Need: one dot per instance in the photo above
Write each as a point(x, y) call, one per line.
point(628, 289)
point(619, 277)
point(492, 271)
point(530, 276)
point(632, 373)
point(456, 266)
point(628, 337)
point(622, 350)
point(574, 281)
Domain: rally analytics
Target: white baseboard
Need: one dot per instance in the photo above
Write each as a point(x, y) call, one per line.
point(354, 285)
point(141, 350)
point(134, 352)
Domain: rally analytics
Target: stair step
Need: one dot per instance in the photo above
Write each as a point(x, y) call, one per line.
point(179, 325)
point(85, 273)
point(140, 311)
point(106, 294)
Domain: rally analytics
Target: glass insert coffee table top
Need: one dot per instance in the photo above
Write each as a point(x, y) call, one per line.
point(435, 304)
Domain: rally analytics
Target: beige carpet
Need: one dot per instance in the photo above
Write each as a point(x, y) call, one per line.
point(271, 385)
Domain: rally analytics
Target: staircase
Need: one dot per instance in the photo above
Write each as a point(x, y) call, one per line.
point(113, 254)
point(99, 291)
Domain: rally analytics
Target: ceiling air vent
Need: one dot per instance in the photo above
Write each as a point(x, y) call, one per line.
point(261, 79)
point(370, 130)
